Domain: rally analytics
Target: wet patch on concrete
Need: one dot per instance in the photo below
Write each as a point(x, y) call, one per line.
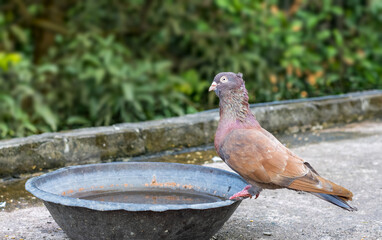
point(200, 155)
point(13, 195)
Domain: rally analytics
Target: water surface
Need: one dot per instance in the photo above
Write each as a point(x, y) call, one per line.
point(149, 196)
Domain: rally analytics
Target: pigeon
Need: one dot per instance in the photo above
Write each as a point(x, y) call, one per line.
point(257, 156)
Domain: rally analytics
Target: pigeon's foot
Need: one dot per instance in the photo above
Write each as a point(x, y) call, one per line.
point(247, 192)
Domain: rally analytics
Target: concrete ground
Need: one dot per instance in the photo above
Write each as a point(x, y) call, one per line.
point(353, 160)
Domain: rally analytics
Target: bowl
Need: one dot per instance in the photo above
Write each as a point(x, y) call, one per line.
point(131, 200)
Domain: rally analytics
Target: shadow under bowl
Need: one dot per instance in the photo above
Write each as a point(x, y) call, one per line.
point(128, 200)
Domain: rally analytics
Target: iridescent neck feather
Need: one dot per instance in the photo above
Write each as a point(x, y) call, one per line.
point(234, 106)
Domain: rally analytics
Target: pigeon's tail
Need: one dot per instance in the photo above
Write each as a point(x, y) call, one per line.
point(323, 188)
point(336, 200)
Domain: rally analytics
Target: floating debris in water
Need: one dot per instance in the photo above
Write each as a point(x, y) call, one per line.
point(216, 159)
point(2, 204)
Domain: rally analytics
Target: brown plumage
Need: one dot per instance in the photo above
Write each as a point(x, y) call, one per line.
point(257, 155)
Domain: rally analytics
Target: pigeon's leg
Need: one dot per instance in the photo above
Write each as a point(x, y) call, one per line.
point(248, 191)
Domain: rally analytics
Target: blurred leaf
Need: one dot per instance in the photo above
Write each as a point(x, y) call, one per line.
point(19, 33)
point(77, 120)
point(338, 37)
point(3, 129)
point(128, 91)
point(323, 35)
point(47, 115)
point(47, 68)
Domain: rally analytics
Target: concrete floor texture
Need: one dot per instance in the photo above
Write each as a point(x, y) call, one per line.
point(354, 162)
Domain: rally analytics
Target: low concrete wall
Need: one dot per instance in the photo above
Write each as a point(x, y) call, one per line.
point(89, 145)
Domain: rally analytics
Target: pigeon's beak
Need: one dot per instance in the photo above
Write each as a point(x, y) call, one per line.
point(212, 87)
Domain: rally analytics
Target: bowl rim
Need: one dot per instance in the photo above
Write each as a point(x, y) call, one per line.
point(31, 187)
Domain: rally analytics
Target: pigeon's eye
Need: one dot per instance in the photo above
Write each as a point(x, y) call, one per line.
point(223, 79)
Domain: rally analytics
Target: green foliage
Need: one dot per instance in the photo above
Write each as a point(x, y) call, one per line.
point(130, 61)
point(23, 110)
point(8, 59)
point(94, 82)
point(111, 85)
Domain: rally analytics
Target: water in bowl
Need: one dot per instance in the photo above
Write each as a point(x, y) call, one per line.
point(149, 196)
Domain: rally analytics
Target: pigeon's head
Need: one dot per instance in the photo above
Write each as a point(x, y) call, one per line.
point(226, 82)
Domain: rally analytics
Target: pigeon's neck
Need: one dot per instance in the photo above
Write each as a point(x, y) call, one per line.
point(235, 108)
point(234, 114)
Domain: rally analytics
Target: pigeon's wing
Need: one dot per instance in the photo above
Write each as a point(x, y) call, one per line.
point(258, 156)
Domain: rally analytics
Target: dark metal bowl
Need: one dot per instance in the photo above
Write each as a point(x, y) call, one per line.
point(90, 219)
